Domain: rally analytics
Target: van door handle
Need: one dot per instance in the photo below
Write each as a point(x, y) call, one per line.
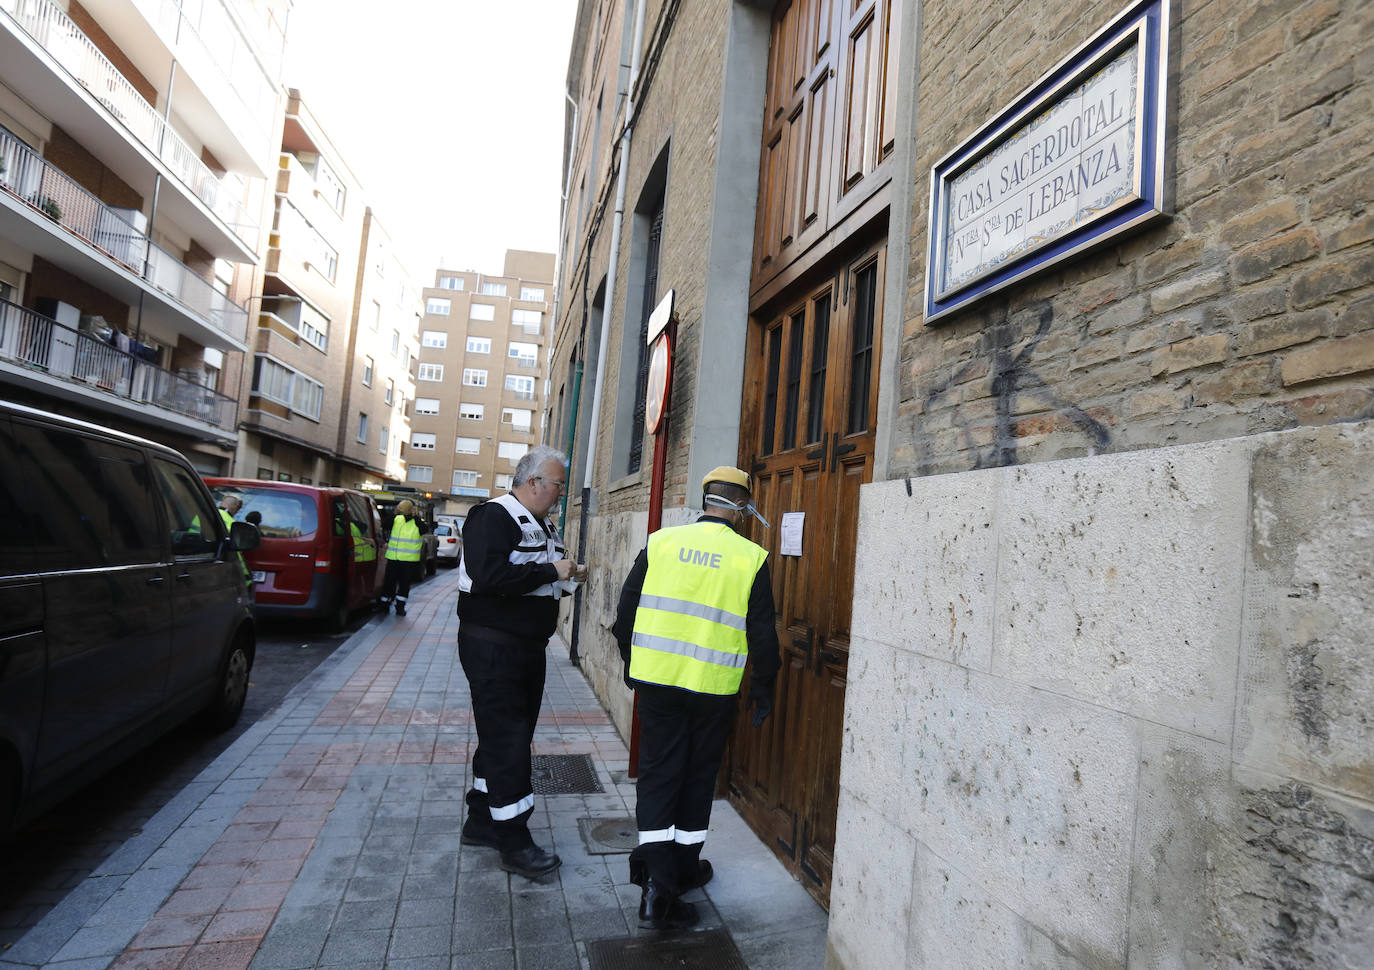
point(156, 581)
point(181, 576)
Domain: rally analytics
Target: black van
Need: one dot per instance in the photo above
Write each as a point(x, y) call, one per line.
point(123, 604)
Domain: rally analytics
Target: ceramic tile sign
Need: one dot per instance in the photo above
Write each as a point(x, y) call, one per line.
point(1072, 163)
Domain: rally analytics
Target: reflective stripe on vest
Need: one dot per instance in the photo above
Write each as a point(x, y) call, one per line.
point(537, 544)
point(405, 543)
point(690, 623)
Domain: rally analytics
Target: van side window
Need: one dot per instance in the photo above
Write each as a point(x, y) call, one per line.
point(16, 551)
point(94, 499)
point(193, 523)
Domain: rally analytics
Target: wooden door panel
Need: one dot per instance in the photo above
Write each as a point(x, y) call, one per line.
point(858, 117)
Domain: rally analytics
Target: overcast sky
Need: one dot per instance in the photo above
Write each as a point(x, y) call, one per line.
point(450, 114)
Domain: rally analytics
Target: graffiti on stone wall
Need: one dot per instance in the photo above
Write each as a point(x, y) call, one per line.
point(1011, 377)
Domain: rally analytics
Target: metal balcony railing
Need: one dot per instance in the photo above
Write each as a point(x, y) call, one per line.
point(44, 344)
point(45, 187)
point(209, 27)
point(55, 32)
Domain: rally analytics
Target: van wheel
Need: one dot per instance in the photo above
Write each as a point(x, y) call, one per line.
point(338, 617)
point(223, 711)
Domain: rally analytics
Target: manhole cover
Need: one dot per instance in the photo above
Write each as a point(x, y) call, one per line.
point(711, 950)
point(603, 836)
point(564, 774)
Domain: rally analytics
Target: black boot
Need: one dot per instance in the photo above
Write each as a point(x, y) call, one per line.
point(662, 910)
point(700, 878)
point(530, 862)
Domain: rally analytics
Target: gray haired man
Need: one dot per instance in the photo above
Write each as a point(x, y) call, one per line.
point(513, 571)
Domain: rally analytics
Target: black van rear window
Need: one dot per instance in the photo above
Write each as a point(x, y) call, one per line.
point(285, 515)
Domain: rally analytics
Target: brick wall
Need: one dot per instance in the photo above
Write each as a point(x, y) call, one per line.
point(1251, 310)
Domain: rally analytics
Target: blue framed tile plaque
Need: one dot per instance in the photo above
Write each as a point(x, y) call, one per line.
point(1077, 159)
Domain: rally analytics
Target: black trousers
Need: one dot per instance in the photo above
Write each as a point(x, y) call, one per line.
point(396, 582)
point(506, 678)
point(682, 739)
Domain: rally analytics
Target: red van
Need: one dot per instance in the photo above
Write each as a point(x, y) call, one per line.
point(323, 552)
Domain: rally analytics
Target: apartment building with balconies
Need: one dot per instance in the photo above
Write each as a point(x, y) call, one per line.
point(480, 384)
point(133, 167)
point(382, 358)
point(294, 385)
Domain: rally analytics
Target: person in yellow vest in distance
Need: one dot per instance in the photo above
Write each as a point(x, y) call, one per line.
point(402, 557)
point(362, 547)
point(697, 605)
point(229, 507)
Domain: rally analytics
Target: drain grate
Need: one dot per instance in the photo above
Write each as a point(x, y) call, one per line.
point(603, 836)
point(564, 774)
point(711, 950)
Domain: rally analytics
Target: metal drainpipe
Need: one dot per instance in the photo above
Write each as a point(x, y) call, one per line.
point(608, 313)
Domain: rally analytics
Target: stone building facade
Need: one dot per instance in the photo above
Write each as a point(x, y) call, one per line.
point(1109, 663)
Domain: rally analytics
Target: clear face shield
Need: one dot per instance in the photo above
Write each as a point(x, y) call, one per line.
point(721, 501)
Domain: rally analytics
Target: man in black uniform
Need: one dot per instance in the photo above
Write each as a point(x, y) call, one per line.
point(698, 602)
point(510, 578)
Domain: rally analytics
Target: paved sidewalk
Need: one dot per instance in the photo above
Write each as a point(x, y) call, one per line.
point(326, 836)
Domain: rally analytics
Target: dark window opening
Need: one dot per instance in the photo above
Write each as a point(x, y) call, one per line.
point(794, 376)
point(820, 340)
point(770, 392)
point(861, 369)
point(642, 374)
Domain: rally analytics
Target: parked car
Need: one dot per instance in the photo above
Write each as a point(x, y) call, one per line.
point(123, 605)
point(450, 543)
point(322, 554)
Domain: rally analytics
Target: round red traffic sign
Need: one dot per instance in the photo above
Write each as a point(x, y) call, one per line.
point(656, 394)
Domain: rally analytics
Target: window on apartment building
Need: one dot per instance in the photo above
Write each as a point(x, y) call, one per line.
point(533, 293)
point(437, 306)
point(314, 327)
point(465, 479)
point(211, 367)
point(420, 473)
point(430, 372)
point(512, 450)
point(526, 355)
point(362, 426)
point(369, 365)
point(426, 405)
point(434, 338)
point(422, 440)
point(479, 345)
point(473, 377)
point(471, 412)
point(522, 387)
point(641, 296)
point(503, 481)
point(518, 418)
point(390, 390)
point(482, 311)
point(384, 440)
point(531, 321)
point(450, 282)
point(467, 446)
point(330, 186)
point(374, 321)
point(287, 387)
point(395, 343)
point(493, 289)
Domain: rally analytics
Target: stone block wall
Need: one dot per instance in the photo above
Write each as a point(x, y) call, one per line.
point(1113, 713)
point(1251, 310)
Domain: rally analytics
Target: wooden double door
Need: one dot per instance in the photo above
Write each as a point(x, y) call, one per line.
point(808, 436)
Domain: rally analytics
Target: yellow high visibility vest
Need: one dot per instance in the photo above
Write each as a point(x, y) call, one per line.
point(362, 548)
point(405, 543)
point(228, 526)
point(690, 624)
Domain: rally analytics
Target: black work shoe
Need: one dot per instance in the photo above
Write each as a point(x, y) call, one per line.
point(530, 862)
point(702, 877)
point(661, 910)
point(477, 835)
point(400, 609)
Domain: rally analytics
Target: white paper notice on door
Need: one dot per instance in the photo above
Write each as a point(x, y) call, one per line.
point(791, 534)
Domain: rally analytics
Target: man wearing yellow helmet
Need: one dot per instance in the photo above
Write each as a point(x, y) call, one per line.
point(403, 551)
point(697, 605)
